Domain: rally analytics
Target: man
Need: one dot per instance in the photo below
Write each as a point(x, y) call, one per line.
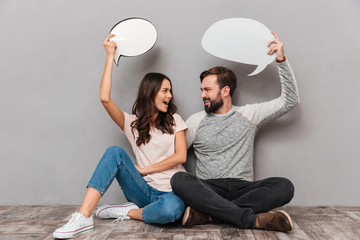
point(223, 140)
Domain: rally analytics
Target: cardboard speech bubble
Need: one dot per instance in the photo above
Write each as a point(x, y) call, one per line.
point(133, 36)
point(241, 40)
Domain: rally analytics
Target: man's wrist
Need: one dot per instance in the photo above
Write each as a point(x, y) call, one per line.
point(280, 61)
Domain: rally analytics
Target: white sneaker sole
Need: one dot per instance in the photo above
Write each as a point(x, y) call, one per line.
point(101, 213)
point(65, 235)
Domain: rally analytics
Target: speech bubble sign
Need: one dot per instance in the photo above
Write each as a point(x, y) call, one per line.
point(241, 40)
point(133, 36)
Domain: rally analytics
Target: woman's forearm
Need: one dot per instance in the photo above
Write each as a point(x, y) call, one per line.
point(164, 165)
point(105, 86)
point(179, 157)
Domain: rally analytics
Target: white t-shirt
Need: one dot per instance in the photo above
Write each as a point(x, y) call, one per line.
point(160, 147)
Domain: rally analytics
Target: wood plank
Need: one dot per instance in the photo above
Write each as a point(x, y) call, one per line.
point(114, 235)
point(297, 234)
point(351, 229)
point(39, 222)
point(257, 234)
point(229, 232)
point(22, 236)
point(199, 235)
point(99, 233)
point(125, 225)
point(246, 234)
point(40, 212)
point(162, 228)
point(27, 226)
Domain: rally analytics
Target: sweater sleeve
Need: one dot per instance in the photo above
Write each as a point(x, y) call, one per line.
point(262, 113)
point(193, 123)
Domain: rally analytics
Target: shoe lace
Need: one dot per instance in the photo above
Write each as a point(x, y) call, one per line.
point(121, 218)
point(72, 220)
point(119, 213)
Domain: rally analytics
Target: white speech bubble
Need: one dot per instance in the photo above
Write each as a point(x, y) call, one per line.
point(133, 36)
point(241, 40)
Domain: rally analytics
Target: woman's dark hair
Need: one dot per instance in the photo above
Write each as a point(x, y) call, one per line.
point(144, 108)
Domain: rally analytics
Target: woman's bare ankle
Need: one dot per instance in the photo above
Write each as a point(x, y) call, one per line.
point(85, 213)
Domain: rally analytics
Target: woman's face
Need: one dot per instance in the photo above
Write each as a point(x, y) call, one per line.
point(163, 97)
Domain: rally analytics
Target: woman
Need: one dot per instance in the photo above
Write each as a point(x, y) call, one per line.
point(157, 136)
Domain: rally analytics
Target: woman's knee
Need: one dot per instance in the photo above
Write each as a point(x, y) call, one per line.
point(116, 153)
point(172, 208)
point(114, 150)
point(166, 209)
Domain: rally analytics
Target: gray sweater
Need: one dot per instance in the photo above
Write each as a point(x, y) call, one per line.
point(224, 143)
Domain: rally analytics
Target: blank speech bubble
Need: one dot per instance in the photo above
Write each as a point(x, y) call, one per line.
point(133, 36)
point(241, 40)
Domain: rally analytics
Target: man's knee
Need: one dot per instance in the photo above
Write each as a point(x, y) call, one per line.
point(287, 188)
point(177, 181)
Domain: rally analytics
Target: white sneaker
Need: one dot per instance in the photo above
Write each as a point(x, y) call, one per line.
point(115, 211)
point(76, 225)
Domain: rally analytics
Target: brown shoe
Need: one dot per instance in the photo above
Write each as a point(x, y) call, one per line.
point(194, 217)
point(275, 221)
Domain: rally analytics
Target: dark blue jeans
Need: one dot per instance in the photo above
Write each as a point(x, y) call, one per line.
point(159, 207)
point(232, 200)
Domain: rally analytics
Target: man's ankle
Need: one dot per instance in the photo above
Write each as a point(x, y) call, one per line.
point(256, 225)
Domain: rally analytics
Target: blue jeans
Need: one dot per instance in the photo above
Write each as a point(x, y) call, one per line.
point(159, 207)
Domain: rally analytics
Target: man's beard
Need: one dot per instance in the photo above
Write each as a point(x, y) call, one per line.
point(214, 104)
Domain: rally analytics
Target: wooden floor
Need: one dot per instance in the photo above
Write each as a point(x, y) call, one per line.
point(38, 222)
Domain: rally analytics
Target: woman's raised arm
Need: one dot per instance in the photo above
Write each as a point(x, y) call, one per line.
point(105, 88)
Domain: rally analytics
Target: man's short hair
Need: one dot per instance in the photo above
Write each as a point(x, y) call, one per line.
point(225, 77)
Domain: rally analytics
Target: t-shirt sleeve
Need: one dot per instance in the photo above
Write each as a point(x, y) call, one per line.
point(180, 124)
point(193, 122)
point(127, 125)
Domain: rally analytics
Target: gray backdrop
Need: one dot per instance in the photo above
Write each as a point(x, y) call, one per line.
point(54, 129)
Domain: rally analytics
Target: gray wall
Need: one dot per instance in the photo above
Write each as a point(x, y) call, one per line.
point(54, 129)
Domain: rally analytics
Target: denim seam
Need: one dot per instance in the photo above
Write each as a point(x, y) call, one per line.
point(110, 180)
point(112, 176)
point(122, 162)
point(101, 191)
point(143, 216)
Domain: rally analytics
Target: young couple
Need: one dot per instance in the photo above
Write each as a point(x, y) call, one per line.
point(222, 136)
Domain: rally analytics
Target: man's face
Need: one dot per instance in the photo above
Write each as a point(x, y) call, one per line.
point(211, 94)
